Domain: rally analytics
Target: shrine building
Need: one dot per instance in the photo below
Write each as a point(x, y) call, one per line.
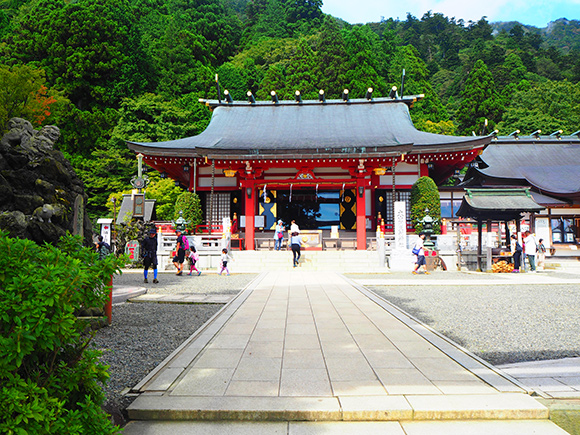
point(323, 163)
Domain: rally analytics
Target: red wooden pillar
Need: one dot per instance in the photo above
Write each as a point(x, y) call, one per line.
point(361, 222)
point(249, 194)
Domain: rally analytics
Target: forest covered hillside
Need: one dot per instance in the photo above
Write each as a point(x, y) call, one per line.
point(562, 34)
point(106, 71)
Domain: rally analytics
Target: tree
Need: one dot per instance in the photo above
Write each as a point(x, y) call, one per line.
point(274, 80)
point(331, 57)
point(362, 46)
point(303, 15)
point(425, 196)
point(83, 131)
point(512, 71)
point(480, 101)
point(91, 50)
point(149, 118)
point(220, 32)
point(417, 82)
point(24, 94)
point(183, 57)
point(271, 22)
point(231, 77)
point(301, 72)
point(152, 118)
point(189, 204)
point(165, 193)
point(548, 106)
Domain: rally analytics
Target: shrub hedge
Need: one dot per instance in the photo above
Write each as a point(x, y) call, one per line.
point(50, 383)
point(425, 195)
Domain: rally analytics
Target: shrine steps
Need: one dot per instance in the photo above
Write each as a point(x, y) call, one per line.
point(339, 261)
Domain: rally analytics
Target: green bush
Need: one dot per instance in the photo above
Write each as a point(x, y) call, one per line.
point(189, 203)
point(49, 382)
point(425, 195)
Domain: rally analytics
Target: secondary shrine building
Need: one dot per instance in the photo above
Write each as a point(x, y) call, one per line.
point(322, 163)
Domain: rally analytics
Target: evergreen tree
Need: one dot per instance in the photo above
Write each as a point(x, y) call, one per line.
point(416, 82)
point(271, 22)
point(332, 58)
point(183, 57)
point(425, 200)
point(303, 15)
point(480, 101)
point(232, 79)
point(301, 72)
point(190, 205)
point(274, 80)
point(221, 32)
point(548, 106)
point(362, 46)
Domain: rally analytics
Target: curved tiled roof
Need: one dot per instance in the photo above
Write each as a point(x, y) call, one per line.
point(497, 204)
point(552, 166)
point(334, 127)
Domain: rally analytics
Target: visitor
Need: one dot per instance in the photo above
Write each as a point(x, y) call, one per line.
point(419, 252)
point(279, 236)
point(530, 249)
point(149, 250)
point(179, 253)
point(294, 227)
point(295, 242)
point(224, 262)
point(193, 257)
point(102, 247)
point(541, 255)
point(517, 254)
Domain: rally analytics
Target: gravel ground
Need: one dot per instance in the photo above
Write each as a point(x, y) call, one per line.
point(499, 323)
point(144, 334)
point(170, 284)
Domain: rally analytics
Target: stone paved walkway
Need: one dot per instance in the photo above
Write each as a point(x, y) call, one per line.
point(315, 346)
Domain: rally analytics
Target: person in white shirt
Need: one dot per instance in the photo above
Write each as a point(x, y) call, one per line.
point(530, 249)
point(293, 227)
point(224, 260)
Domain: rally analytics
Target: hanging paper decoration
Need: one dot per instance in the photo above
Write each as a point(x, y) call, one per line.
point(317, 193)
point(290, 193)
point(342, 192)
point(265, 196)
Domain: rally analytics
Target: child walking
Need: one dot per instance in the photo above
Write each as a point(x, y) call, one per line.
point(224, 260)
point(193, 257)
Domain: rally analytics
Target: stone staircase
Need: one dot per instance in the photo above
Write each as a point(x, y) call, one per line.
point(340, 261)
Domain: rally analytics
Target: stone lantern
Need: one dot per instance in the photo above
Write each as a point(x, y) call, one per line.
point(180, 223)
point(427, 223)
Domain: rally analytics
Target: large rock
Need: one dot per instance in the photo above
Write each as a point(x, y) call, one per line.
point(38, 186)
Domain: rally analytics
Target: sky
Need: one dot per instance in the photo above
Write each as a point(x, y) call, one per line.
point(532, 12)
